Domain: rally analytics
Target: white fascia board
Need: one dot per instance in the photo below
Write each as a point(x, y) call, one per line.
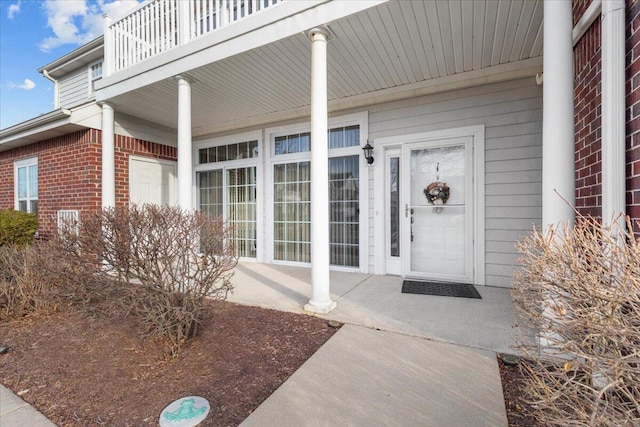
point(90, 49)
point(37, 129)
point(499, 73)
point(271, 25)
point(59, 121)
point(34, 125)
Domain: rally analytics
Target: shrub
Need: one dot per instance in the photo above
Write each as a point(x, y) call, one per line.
point(24, 288)
point(164, 259)
point(580, 290)
point(17, 228)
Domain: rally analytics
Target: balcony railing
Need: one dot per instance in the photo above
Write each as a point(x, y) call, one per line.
point(159, 25)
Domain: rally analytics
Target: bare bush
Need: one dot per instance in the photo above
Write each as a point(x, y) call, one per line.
point(34, 281)
point(20, 295)
point(580, 290)
point(166, 261)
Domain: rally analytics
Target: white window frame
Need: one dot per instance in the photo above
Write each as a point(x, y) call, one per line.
point(233, 164)
point(90, 75)
point(361, 119)
point(24, 163)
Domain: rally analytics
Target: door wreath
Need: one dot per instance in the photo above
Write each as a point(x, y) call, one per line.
point(437, 193)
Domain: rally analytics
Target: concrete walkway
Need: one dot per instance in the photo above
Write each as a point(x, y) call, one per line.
point(400, 360)
point(15, 412)
point(364, 377)
point(377, 302)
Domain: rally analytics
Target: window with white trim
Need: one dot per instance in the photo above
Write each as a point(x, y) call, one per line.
point(95, 74)
point(226, 178)
point(292, 198)
point(26, 185)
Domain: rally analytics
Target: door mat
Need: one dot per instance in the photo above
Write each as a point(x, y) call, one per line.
point(440, 289)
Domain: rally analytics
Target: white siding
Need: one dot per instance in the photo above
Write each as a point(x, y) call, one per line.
point(74, 88)
point(512, 115)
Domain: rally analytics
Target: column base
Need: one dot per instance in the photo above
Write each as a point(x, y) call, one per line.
point(320, 307)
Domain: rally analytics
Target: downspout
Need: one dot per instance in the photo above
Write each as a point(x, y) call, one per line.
point(613, 112)
point(56, 99)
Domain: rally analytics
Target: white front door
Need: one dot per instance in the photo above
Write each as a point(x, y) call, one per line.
point(152, 181)
point(438, 233)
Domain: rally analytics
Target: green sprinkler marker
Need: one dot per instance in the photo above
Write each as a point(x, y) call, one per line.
point(186, 412)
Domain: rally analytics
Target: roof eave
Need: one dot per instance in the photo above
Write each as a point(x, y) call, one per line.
point(18, 135)
point(73, 55)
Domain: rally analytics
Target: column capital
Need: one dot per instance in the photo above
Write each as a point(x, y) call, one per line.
point(104, 104)
point(322, 31)
point(184, 78)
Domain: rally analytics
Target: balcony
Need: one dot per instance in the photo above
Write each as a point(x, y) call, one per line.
point(159, 25)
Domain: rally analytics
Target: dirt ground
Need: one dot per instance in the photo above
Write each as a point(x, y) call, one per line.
point(89, 370)
point(82, 370)
point(518, 411)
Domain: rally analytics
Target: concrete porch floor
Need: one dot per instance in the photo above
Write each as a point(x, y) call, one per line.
point(377, 302)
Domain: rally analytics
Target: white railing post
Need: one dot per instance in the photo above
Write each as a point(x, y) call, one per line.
point(224, 12)
point(184, 21)
point(108, 63)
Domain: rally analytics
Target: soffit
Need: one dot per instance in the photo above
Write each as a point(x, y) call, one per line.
point(389, 46)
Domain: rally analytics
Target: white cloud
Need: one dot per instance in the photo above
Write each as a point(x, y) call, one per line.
point(79, 21)
point(27, 85)
point(13, 9)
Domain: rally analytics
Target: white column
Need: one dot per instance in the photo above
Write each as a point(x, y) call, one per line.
point(558, 158)
point(320, 301)
point(108, 157)
point(185, 165)
point(613, 111)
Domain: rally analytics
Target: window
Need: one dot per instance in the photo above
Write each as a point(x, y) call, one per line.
point(292, 212)
point(26, 185)
point(231, 193)
point(226, 177)
point(292, 200)
point(223, 153)
point(344, 211)
point(95, 74)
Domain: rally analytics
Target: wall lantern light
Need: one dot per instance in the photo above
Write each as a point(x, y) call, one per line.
point(368, 150)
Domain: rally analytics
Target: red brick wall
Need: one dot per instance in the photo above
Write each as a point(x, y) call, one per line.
point(633, 110)
point(70, 173)
point(579, 7)
point(587, 104)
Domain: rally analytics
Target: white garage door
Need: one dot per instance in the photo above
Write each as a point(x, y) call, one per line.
point(152, 181)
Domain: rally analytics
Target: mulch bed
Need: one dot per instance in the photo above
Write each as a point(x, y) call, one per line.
point(519, 412)
point(89, 370)
point(82, 369)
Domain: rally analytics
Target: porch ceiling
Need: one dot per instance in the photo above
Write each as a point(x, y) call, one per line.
point(389, 46)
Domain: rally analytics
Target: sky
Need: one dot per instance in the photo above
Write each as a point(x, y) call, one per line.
point(34, 33)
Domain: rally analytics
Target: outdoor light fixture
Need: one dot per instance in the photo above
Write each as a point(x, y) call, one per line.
point(368, 150)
